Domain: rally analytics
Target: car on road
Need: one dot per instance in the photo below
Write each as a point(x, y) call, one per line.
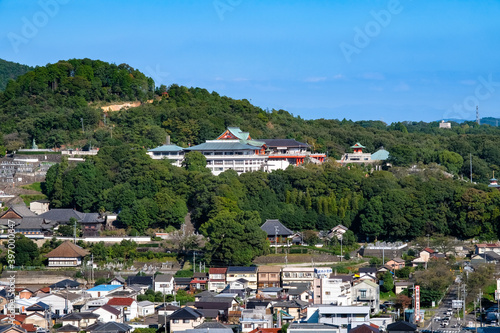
point(437, 318)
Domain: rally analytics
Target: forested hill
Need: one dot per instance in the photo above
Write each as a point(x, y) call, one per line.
point(49, 103)
point(11, 70)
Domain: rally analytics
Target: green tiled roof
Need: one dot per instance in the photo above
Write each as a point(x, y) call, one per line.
point(380, 155)
point(222, 145)
point(237, 132)
point(358, 145)
point(166, 148)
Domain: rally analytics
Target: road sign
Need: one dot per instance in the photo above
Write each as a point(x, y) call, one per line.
point(457, 304)
point(417, 303)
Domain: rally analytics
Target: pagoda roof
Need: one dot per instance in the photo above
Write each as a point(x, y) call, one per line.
point(380, 155)
point(358, 145)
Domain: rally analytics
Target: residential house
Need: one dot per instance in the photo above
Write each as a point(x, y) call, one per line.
point(337, 231)
point(185, 318)
point(270, 292)
point(235, 273)
point(126, 305)
point(484, 247)
point(254, 318)
point(423, 257)
point(37, 319)
point(67, 254)
point(108, 313)
point(166, 310)
point(238, 287)
point(109, 327)
point(181, 283)
point(60, 304)
point(66, 284)
point(145, 308)
point(368, 273)
point(199, 281)
point(11, 328)
point(118, 280)
point(164, 283)
point(334, 290)
point(365, 329)
point(68, 329)
point(367, 292)
point(276, 231)
point(346, 317)
point(25, 293)
point(402, 285)
point(208, 327)
point(312, 328)
point(401, 327)
point(396, 263)
point(488, 257)
point(295, 308)
point(217, 279)
point(82, 320)
point(127, 291)
point(39, 307)
point(300, 291)
point(222, 304)
point(268, 276)
point(292, 274)
point(102, 290)
point(145, 282)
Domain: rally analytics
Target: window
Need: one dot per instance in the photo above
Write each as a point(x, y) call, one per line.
point(176, 321)
point(362, 292)
point(186, 321)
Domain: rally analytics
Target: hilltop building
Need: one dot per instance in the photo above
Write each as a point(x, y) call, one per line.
point(236, 150)
point(494, 182)
point(444, 124)
point(359, 156)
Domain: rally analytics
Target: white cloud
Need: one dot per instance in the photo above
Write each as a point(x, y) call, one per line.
point(338, 77)
point(315, 79)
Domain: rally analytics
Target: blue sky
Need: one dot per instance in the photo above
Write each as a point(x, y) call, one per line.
point(380, 60)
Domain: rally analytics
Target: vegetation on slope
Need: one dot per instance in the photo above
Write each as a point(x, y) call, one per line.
point(10, 71)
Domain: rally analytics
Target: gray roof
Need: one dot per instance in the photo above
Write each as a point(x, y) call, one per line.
point(163, 278)
point(145, 303)
point(269, 228)
point(166, 148)
point(380, 155)
point(80, 315)
point(211, 324)
point(110, 327)
point(186, 313)
point(284, 143)
point(222, 145)
point(68, 328)
point(62, 215)
point(299, 288)
point(299, 327)
point(401, 326)
point(22, 210)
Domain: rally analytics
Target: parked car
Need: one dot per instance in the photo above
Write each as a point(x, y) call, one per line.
point(437, 318)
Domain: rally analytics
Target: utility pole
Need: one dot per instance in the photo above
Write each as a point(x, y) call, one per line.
point(470, 157)
point(480, 306)
point(194, 262)
point(74, 233)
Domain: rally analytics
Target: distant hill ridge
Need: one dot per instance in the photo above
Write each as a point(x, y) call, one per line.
point(10, 71)
point(484, 121)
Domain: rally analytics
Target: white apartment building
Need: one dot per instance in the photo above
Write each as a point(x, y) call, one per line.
point(332, 290)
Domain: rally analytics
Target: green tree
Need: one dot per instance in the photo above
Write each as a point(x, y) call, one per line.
point(388, 282)
point(234, 238)
point(195, 161)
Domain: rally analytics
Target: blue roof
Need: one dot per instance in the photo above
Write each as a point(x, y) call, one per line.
point(222, 145)
point(380, 155)
point(166, 148)
point(105, 287)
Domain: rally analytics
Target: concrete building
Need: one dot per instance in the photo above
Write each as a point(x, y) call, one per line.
point(332, 290)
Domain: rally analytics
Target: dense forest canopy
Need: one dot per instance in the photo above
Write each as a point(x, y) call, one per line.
point(10, 71)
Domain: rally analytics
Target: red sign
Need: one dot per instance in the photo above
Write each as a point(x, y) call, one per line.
point(417, 303)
